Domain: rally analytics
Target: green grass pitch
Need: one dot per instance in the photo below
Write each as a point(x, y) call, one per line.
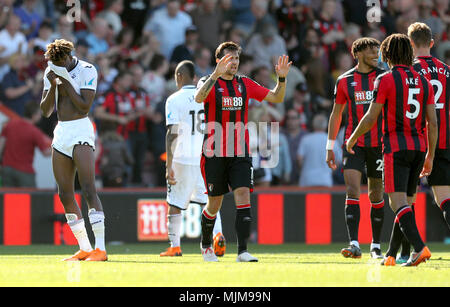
point(288, 265)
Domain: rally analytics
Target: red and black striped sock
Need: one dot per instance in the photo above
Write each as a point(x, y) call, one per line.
point(377, 219)
point(445, 207)
point(352, 216)
point(242, 224)
point(207, 222)
point(409, 228)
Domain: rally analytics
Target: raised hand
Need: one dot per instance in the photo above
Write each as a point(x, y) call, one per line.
point(223, 65)
point(283, 66)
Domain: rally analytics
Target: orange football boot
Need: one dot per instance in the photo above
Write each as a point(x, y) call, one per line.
point(171, 252)
point(219, 245)
point(417, 258)
point(97, 255)
point(79, 256)
point(388, 261)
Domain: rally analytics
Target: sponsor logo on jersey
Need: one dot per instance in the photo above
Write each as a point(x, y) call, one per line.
point(232, 103)
point(363, 97)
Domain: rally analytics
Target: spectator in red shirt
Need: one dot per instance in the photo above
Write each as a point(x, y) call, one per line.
point(18, 140)
point(115, 109)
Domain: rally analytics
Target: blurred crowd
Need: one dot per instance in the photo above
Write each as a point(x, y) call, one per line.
point(136, 45)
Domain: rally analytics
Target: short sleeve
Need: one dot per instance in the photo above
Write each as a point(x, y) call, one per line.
point(254, 90)
point(89, 78)
point(381, 89)
point(340, 96)
point(172, 116)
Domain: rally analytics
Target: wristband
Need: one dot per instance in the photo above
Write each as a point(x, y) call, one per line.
point(282, 79)
point(330, 144)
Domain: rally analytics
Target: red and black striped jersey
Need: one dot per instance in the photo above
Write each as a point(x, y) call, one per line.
point(226, 115)
point(356, 90)
point(404, 94)
point(438, 73)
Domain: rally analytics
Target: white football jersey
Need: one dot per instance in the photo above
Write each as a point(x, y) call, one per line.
point(182, 110)
point(84, 75)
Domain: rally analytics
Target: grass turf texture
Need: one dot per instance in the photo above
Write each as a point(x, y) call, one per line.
point(288, 265)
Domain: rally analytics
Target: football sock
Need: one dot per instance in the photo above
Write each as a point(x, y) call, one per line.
point(208, 221)
point(445, 207)
point(97, 220)
point(217, 225)
point(173, 229)
point(377, 219)
point(396, 239)
point(79, 231)
point(242, 224)
point(409, 228)
point(406, 246)
point(352, 216)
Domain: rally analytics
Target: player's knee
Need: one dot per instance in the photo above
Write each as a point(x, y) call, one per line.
point(65, 196)
point(352, 191)
point(376, 195)
point(89, 192)
point(242, 195)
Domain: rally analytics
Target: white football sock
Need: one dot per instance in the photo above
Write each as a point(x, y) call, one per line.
point(355, 243)
point(375, 245)
point(79, 231)
point(217, 225)
point(97, 220)
point(173, 229)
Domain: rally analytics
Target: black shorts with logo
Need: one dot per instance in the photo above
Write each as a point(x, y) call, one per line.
point(367, 160)
point(222, 174)
point(440, 174)
point(402, 170)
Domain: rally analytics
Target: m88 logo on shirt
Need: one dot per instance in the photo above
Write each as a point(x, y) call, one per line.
point(232, 103)
point(363, 97)
point(152, 220)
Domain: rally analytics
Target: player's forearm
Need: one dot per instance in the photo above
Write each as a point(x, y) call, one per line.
point(204, 90)
point(334, 125)
point(78, 101)
point(278, 93)
point(47, 104)
point(364, 126)
point(432, 132)
point(170, 141)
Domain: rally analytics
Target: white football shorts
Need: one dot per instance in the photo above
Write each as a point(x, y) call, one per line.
point(190, 186)
point(67, 134)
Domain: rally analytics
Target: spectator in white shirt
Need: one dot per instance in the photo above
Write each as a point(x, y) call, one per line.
point(312, 155)
point(169, 25)
point(11, 41)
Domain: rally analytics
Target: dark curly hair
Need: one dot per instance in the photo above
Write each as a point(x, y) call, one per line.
point(396, 49)
point(363, 43)
point(58, 50)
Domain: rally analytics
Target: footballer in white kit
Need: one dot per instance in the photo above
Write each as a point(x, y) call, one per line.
point(70, 85)
point(67, 134)
point(186, 117)
point(184, 142)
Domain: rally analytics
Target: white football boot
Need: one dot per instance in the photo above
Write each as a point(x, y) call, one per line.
point(208, 254)
point(246, 257)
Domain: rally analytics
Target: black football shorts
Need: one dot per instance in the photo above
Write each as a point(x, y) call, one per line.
point(225, 174)
point(402, 170)
point(440, 174)
point(367, 160)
